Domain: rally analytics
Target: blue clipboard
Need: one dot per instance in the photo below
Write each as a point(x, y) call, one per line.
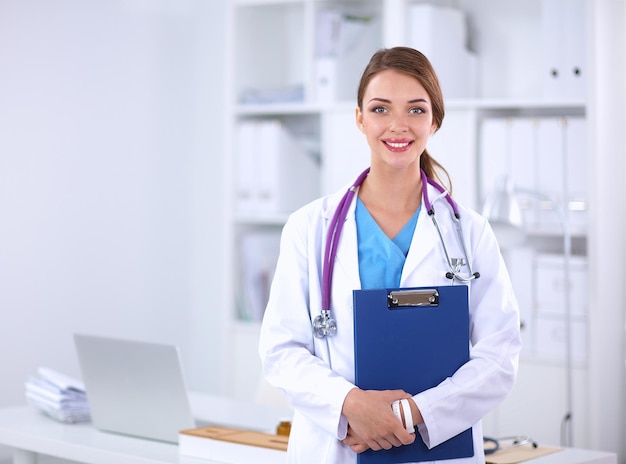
point(411, 339)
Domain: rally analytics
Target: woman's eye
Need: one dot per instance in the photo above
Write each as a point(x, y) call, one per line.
point(416, 110)
point(379, 109)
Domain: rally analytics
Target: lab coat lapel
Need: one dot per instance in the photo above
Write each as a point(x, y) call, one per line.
point(420, 266)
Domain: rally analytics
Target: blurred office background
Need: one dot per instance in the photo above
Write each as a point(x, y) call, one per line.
point(114, 140)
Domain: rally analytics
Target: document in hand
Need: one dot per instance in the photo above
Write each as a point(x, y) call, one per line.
point(411, 339)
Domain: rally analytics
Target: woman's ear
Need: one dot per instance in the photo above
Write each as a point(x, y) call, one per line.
point(359, 119)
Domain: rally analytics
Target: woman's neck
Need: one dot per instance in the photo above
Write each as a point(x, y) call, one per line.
point(396, 191)
point(391, 199)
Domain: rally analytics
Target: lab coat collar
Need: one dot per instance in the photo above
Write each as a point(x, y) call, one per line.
point(425, 238)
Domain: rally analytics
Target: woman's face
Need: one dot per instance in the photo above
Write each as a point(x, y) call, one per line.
point(396, 119)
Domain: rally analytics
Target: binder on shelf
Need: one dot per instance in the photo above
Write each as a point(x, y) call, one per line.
point(245, 194)
point(259, 253)
point(563, 49)
point(325, 79)
point(440, 33)
point(540, 153)
point(508, 148)
point(522, 161)
point(344, 40)
point(550, 157)
point(494, 146)
point(574, 49)
point(576, 172)
point(274, 174)
point(271, 150)
point(289, 174)
point(411, 339)
point(327, 49)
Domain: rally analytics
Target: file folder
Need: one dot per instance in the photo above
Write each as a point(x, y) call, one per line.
point(411, 339)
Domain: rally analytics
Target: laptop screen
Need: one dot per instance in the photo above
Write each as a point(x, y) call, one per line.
point(134, 388)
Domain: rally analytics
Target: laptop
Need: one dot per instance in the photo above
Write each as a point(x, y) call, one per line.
point(134, 388)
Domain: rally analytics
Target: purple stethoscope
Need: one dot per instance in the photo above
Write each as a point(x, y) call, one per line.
point(323, 324)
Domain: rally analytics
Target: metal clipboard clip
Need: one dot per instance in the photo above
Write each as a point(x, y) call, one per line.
point(410, 298)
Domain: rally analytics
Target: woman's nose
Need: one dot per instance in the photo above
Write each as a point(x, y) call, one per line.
point(399, 123)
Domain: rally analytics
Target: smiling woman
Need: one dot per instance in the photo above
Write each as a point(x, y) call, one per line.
point(401, 121)
point(399, 106)
point(388, 241)
point(397, 128)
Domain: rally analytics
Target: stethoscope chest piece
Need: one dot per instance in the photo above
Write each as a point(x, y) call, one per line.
point(324, 325)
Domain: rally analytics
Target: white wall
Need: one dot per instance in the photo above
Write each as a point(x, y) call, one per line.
point(607, 228)
point(111, 123)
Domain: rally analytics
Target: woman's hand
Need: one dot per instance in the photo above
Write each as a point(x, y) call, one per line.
point(355, 442)
point(372, 423)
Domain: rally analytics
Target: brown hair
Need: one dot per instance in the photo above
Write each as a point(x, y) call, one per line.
point(412, 62)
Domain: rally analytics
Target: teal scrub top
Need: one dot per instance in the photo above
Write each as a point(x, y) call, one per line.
point(381, 259)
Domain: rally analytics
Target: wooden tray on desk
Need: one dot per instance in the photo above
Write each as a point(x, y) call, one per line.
point(519, 454)
point(231, 445)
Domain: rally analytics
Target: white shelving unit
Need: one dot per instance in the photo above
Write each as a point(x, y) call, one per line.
point(274, 75)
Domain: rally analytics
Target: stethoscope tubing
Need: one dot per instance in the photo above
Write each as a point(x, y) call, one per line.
point(336, 226)
point(332, 239)
point(453, 273)
point(428, 204)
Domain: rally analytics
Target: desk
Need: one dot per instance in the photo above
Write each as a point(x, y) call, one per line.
point(31, 433)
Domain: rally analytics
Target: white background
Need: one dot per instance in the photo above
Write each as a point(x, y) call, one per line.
point(111, 122)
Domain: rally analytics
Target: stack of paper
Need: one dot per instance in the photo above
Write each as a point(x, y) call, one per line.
point(58, 396)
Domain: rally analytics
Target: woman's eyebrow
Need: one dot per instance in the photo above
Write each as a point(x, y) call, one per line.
point(384, 100)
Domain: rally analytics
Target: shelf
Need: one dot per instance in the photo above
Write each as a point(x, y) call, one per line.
point(260, 219)
point(556, 230)
point(504, 103)
point(271, 109)
point(552, 361)
point(521, 108)
point(246, 327)
point(272, 51)
point(240, 3)
point(499, 107)
point(275, 75)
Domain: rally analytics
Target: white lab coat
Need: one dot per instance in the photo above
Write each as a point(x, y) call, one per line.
point(317, 374)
